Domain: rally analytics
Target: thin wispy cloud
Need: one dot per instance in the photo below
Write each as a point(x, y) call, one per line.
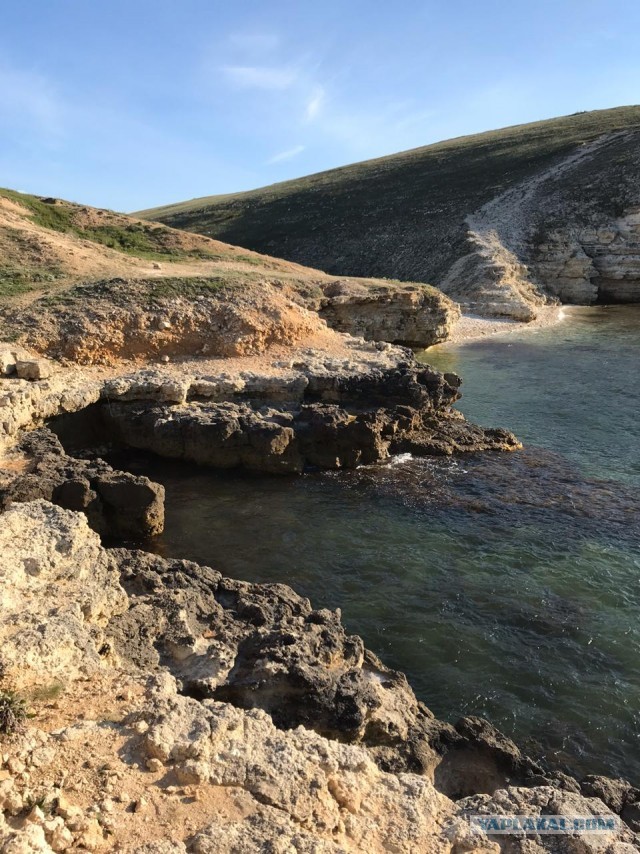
point(315, 103)
point(299, 95)
point(272, 78)
point(289, 154)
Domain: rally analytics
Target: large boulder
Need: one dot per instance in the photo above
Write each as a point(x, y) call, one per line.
point(398, 312)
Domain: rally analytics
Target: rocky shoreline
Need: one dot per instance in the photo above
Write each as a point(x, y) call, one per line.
point(472, 327)
point(312, 411)
point(225, 716)
point(178, 710)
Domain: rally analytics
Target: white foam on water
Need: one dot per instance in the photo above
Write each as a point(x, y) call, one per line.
point(400, 459)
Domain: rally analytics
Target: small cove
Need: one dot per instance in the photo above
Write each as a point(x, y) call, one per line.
point(503, 585)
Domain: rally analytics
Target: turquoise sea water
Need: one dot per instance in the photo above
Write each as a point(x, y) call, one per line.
point(573, 388)
point(503, 585)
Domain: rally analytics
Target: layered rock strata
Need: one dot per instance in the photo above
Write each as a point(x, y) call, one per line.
point(570, 233)
point(593, 264)
point(27, 404)
point(219, 716)
point(334, 421)
point(399, 312)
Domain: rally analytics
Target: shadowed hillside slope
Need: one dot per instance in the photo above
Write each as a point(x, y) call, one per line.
point(500, 220)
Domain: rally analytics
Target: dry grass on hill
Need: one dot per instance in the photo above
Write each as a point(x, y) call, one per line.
point(49, 244)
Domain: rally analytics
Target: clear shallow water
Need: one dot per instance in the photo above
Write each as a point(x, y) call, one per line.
point(503, 585)
point(573, 388)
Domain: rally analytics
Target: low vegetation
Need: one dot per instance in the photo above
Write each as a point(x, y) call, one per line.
point(13, 711)
point(48, 245)
point(21, 280)
point(144, 240)
point(47, 693)
point(141, 292)
point(403, 215)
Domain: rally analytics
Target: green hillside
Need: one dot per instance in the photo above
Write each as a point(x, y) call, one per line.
point(402, 215)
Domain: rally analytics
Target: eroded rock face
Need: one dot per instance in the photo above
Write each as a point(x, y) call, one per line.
point(310, 410)
point(492, 280)
point(99, 324)
point(358, 419)
point(25, 404)
point(570, 233)
point(58, 588)
point(286, 441)
point(117, 504)
point(314, 411)
point(369, 373)
point(314, 747)
point(264, 647)
point(600, 263)
point(113, 319)
point(401, 313)
point(620, 797)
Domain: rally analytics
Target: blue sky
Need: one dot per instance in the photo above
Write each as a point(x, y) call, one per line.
point(132, 104)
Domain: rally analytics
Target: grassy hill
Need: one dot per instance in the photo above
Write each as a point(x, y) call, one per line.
point(61, 263)
point(47, 244)
point(403, 216)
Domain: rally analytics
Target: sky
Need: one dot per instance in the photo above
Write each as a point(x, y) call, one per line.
point(128, 105)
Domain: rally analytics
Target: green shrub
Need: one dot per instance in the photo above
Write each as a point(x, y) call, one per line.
point(13, 712)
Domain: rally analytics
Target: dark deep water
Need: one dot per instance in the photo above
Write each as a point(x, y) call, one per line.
point(506, 586)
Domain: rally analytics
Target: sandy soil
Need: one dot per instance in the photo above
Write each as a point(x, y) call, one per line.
point(470, 327)
point(276, 361)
